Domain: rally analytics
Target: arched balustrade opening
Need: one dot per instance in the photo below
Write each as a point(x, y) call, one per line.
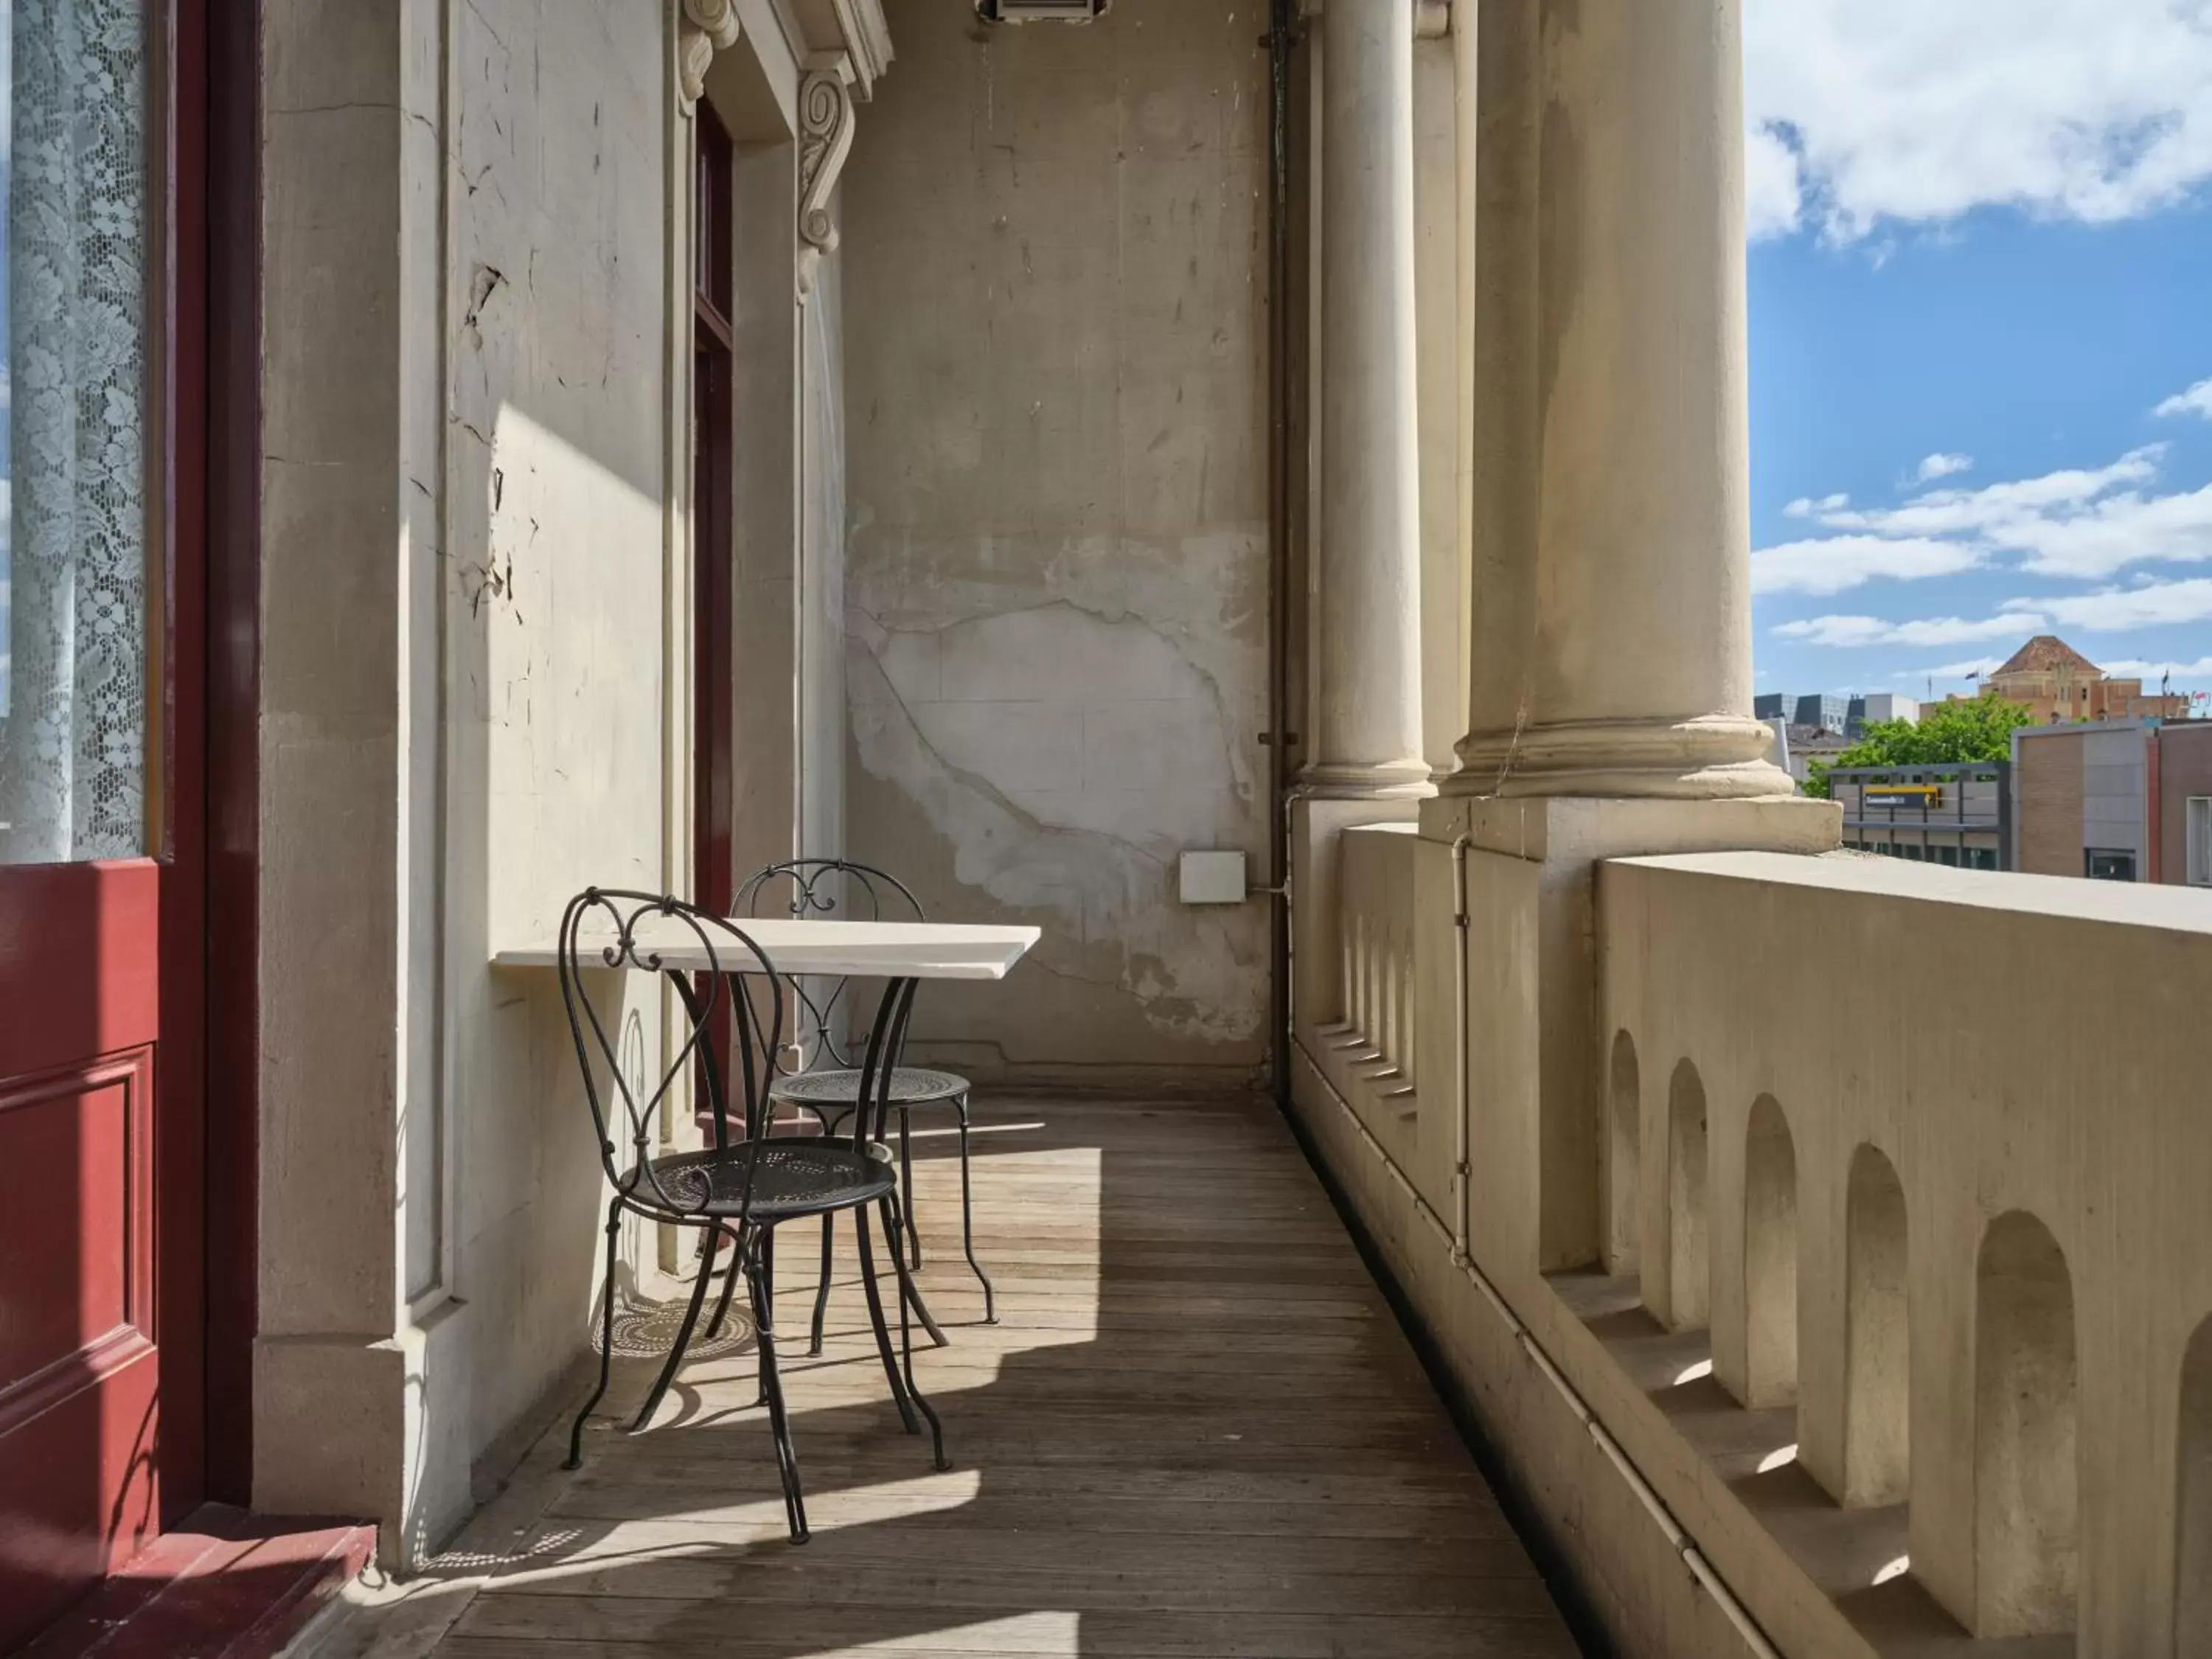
point(1689, 1226)
point(1623, 1143)
point(2192, 1577)
point(2027, 1483)
point(1878, 1340)
point(1769, 1258)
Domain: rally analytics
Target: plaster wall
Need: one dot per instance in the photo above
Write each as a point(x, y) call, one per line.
point(475, 437)
point(1055, 366)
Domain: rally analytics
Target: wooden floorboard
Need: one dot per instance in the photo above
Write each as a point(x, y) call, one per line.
point(1196, 1433)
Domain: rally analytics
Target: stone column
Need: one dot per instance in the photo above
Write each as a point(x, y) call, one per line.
point(1367, 742)
point(1611, 633)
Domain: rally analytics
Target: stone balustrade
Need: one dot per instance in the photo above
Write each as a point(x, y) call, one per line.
point(1364, 1037)
point(1897, 1315)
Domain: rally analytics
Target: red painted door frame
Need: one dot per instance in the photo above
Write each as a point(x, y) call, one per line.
point(129, 1307)
point(233, 691)
point(712, 511)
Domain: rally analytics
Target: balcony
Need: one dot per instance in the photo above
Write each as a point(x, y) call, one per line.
point(1196, 1430)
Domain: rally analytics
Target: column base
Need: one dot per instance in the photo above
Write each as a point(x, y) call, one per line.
point(1405, 780)
point(1707, 757)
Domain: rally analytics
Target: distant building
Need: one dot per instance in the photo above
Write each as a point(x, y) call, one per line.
point(1888, 706)
point(2122, 800)
point(1959, 814)
point(1823, 710)
point(1774, 705)
point(1801, 746)
point(2058, 685)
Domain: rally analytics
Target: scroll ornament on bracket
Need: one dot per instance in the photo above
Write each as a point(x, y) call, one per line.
point(825, 137)
point(703, 29)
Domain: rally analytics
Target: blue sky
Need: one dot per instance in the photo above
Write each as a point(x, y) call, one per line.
point(1981, 302)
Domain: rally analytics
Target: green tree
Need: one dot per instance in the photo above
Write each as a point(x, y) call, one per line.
point(1977, 729)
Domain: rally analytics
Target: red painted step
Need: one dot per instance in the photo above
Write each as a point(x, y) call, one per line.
point(223, 1584)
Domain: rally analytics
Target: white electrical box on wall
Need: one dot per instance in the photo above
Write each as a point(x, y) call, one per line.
point(1213, 878)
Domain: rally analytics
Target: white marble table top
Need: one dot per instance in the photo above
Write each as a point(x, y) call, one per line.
point(876, 950)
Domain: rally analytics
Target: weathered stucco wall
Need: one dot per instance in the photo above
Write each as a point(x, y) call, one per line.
point(1056, 375)
point(470, 427)
point(557, 460)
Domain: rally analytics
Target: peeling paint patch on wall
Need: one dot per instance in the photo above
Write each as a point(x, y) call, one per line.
point(1057, 569)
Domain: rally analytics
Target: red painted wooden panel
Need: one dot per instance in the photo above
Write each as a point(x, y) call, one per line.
point(74, 1217)
point(80, 966)
point(80, 1487)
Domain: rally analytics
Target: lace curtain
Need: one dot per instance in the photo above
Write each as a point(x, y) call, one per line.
point(73, 759)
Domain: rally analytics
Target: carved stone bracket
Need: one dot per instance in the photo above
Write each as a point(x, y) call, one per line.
point(825, 138)
point(704, 27)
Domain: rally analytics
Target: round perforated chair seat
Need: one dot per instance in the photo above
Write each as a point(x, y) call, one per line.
point(911, 1085)
point(795, 1177)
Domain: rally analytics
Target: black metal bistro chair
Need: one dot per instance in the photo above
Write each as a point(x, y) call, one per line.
point(737, 1189)
point(826, 1082)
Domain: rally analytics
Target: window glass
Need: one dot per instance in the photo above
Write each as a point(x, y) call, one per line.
point(72, 532)
point(2109, 863)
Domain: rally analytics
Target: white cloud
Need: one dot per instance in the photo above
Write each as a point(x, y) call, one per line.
point(1943, 466)
point(1932, 630)
point(1831, 564)
point(2083, 523)
point(2116, 610)
point(1805, 507)
point(2197, 400)
point(1774, 201)
point(1864, 111)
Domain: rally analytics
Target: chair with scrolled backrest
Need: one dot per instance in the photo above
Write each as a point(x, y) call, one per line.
point(740, 1189)
point(828, 1082)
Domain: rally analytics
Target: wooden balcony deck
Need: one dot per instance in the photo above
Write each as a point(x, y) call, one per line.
point(1197, 1431)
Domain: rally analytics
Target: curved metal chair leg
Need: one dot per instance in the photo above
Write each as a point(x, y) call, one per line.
point(906, 1185)
point(876, 1317)
point(766, 1261)
point(779, 1421)
point(704, 1277)
point(606, 1341)
point(821, 1291)
point(891, 1216)
point(729, 1280)
point(910, 1294)
point(967, 1221)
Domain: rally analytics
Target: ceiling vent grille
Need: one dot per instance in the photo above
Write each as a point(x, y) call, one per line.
point(1041, 11)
